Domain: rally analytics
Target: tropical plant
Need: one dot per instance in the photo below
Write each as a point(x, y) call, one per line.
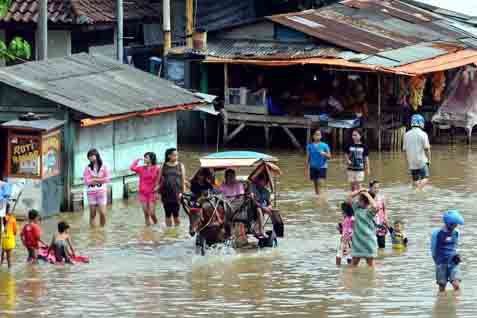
point(18, 48)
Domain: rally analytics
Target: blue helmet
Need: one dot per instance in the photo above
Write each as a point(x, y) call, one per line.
point(453, 217)
point(417, 121)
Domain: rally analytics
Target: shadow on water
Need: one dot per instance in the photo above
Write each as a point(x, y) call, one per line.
point(139, 271)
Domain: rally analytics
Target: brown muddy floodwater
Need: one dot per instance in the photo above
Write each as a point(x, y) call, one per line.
point(154, 272)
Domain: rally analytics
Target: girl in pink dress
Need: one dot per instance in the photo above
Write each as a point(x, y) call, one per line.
point(149, 178)
point(96, 176)
point(346, 234)
point(381, 216)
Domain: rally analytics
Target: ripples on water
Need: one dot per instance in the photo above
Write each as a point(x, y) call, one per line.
point(154, 272)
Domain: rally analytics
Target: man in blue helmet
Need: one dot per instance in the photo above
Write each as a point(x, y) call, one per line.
point(418, 151)
point(444, 251)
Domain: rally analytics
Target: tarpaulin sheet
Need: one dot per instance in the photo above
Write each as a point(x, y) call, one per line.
point(459, 108)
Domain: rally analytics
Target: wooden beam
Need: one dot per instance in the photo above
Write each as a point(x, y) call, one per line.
point(292, 138)
point(379, 113)
point(234, 133)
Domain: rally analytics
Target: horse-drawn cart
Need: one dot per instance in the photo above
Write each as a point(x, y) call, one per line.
point(217, 217)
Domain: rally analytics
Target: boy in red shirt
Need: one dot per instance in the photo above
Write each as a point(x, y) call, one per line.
point(31, 235)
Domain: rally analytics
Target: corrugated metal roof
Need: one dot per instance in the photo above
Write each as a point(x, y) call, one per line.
point(40, 124)
point(372, 26)
point(95, 85)
point(232, 49)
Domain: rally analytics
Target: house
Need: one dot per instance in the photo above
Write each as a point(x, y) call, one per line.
point(363, 47)
point(78, 26)
point(97, 103)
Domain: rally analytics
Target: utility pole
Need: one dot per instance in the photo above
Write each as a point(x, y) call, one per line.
point(119, 31)
point(189, 22)
point(42, 29)
point(166, 17)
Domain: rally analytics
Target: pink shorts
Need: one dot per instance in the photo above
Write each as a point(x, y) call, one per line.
point(147, 198)
point(97, 198)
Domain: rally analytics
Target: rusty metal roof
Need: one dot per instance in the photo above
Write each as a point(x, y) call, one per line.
point(373, 26)
point(262, 50)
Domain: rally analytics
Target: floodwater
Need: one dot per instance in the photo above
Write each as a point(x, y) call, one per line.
point(154, 272)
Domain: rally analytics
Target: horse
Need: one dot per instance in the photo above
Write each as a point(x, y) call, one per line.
point(213, 219)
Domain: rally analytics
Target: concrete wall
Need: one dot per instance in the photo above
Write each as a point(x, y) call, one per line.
point(59, 43)
point(121, 142)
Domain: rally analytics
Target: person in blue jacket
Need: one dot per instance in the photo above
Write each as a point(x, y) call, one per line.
point(444, 251)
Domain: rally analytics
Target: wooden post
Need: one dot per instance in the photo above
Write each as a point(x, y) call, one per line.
point(166, 18)
point(226, 84)
point(234, 133)
point(267, 136)
point(119, 31)
point(43, 30)
point(189, 22)
point(292, 138)
point(379, 113)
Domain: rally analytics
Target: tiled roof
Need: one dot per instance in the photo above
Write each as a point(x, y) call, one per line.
point(78, 11)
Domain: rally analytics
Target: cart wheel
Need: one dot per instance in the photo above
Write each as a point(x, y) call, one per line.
point(200, 245)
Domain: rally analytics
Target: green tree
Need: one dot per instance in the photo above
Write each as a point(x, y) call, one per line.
point(18, 48)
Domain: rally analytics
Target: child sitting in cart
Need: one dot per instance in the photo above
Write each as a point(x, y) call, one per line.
point(262, 197)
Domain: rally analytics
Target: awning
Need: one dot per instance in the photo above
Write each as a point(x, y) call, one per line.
point(88, 122)
point(440, 63)
point(308, 61)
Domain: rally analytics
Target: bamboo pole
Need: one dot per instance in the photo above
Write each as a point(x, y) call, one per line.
point(166, 18)
point(189, 22)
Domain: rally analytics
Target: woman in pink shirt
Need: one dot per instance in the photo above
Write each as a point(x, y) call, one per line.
point(231, 187)
point(96, 175)
point(149, 177)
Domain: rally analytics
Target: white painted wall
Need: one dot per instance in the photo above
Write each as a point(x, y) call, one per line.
point(121, 142)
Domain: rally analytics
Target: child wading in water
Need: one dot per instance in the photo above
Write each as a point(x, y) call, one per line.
point(381, 216)
point(346, 231)
point(8, 237)
point(317, 156)
point(357, 159)
point(398, 236)
point(31, 235)
point(364, 244)
point(444, 251)
point(60, 244)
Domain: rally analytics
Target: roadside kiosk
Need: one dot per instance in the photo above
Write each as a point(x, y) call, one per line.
point(34, 164)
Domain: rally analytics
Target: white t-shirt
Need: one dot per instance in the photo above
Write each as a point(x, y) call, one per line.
point(416, 142)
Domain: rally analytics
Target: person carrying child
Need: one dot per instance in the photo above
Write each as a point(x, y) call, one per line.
point(31, 235)
point(8, 237)
point(381, 215)
point(444, 244)
point(61, 244)
point(398, 236)
point(346, 232)
point(317, 156)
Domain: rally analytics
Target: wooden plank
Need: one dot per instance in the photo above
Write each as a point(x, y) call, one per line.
point(292, 138)
point(247, 109)
point(252, 124)
point(272, 119)
point(234, 133)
